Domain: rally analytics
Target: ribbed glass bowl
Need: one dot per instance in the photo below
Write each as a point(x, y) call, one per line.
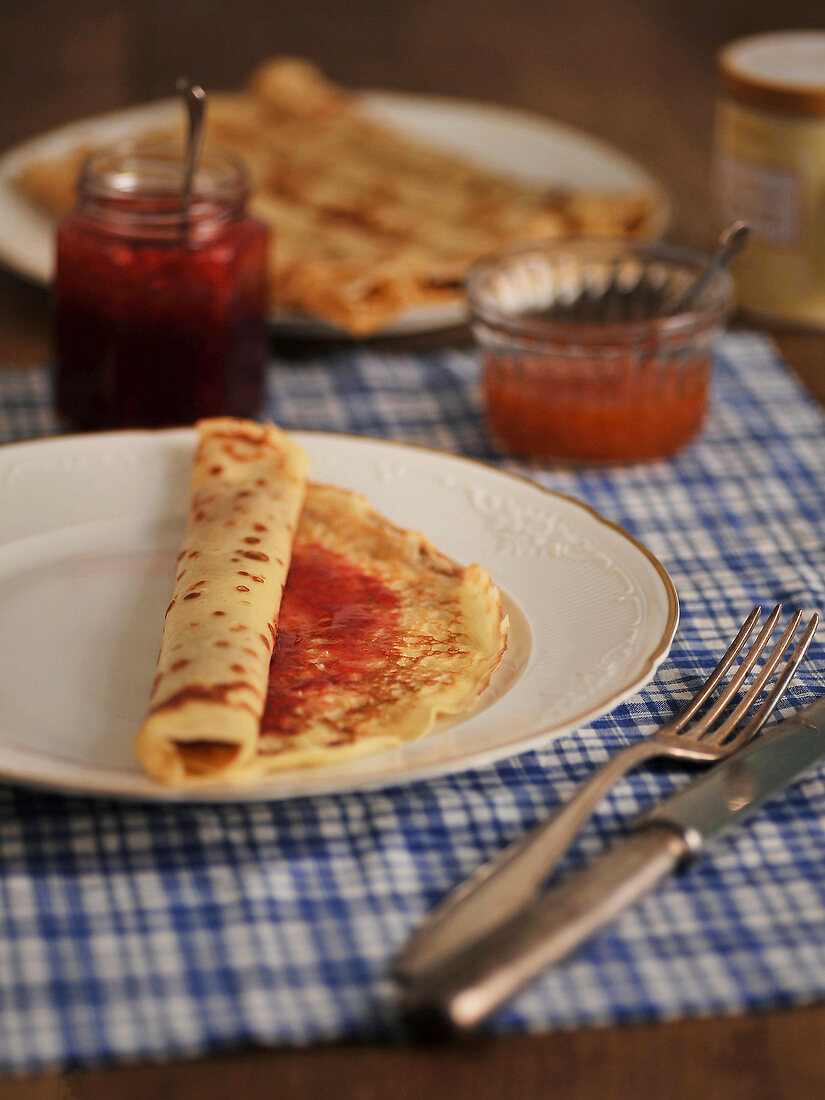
point(587, 356)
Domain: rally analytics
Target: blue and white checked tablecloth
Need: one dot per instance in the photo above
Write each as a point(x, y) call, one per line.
point(135, 931)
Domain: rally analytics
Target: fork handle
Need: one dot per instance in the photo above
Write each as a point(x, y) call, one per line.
point(504, 885)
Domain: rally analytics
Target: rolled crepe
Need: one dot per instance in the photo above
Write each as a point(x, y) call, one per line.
point(247, 490)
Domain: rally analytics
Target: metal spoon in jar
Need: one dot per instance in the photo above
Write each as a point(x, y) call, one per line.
point(731, 242)
point(195, 99)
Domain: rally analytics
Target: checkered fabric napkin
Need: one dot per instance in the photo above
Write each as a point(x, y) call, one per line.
point(147, 931)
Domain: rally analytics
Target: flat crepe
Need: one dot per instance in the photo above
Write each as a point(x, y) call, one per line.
point(379, 633)
point(246, 492)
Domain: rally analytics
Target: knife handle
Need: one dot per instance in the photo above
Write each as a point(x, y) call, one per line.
point(460, 993)
point(502, 887)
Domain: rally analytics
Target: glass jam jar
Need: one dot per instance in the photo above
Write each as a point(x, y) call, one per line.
point(769, 170)
point(159, 303)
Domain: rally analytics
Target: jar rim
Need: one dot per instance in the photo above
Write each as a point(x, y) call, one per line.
point(154, 170)
point(712, 310)
point(750, 71)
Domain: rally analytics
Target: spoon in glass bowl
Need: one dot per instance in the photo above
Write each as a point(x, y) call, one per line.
point(731, 242)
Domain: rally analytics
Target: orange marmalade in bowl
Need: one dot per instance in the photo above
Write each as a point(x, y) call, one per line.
point(587, 356)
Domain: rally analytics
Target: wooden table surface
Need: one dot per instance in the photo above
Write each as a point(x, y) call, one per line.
point(638, 73)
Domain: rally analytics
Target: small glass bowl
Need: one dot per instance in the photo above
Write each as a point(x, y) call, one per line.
point(586, 355)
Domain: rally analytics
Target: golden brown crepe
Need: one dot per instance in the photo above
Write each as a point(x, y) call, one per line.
point(375, 635)
point(246, 493)
point(366, 221)
point(379, 634)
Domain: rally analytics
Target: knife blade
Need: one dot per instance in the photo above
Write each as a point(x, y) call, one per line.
point(462, 991)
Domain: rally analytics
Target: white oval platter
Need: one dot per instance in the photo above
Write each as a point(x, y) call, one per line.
point(528, 147)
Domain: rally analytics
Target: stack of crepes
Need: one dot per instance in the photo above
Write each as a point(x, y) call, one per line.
point(367, 222)
point(304, 628)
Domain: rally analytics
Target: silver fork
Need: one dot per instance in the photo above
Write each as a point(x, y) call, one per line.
point(500, 888)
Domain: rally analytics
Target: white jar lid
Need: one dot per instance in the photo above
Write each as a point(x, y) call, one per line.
point(782, 71)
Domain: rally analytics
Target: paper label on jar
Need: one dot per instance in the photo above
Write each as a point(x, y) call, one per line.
point(767, 198)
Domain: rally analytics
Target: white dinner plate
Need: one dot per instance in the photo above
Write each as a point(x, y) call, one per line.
point(89, 529)
point(528, 147)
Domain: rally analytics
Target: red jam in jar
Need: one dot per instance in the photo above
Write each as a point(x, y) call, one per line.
point(160, 304)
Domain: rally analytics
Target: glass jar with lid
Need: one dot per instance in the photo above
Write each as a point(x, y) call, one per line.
point(770, 171)
point(159, 302)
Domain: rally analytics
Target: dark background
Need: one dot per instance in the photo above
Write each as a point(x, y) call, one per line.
point(639, 73)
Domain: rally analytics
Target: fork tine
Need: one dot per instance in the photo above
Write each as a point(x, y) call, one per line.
point(778, 690)
point(732, 652)
point(735, 682)
point(720, 735)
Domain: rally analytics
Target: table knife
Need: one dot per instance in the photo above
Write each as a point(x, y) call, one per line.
point(463, 990)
